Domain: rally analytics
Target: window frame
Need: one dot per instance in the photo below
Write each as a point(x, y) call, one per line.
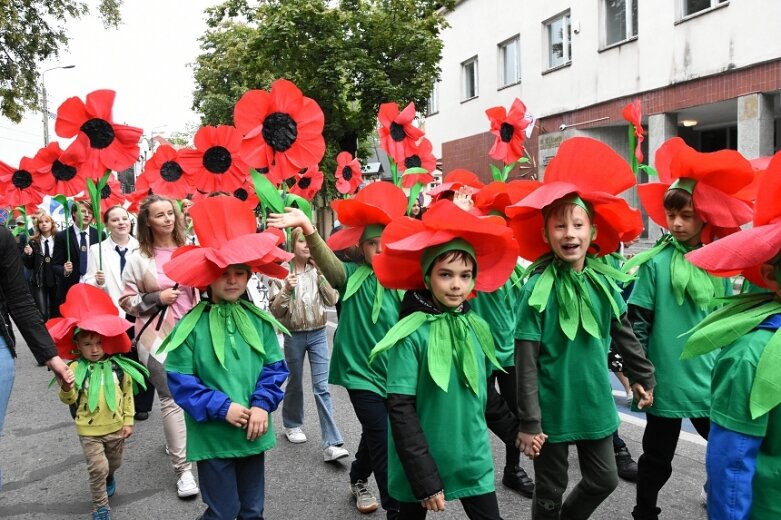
point(501, 49)
point(628, 24)
point(464, 64)
point(684, 16)
point(566, 43)
point(433, 100)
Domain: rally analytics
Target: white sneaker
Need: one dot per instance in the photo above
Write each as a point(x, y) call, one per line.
point(186, 485)
point(295, 435)
point(332, 453)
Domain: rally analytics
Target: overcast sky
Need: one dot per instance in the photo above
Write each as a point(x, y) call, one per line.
point(147, 61)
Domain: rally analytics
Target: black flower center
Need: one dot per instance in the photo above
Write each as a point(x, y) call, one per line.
point(241, 194)
point(105, 192)
point(262, 171)
point(22, 179)
point(397, 132)
point(506, 132)
point(347, 173)
point(280, 131)
point(304, 182)
point(170, 171)
point(413, 161)
point(217, 159)
point(100, 133)
point(63, 172)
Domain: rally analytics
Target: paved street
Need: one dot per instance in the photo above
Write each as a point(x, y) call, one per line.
point(45, 477)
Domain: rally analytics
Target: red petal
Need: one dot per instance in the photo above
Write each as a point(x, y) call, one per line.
point(591, 166)
point(70, 116)
point(652, 197)
point(100, 104)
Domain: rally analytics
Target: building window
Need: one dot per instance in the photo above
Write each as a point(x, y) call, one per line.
point(690, 7)
point(559, 34)
point(433, 100)
point(469, 79)
point(510, 61)
point(620, 18)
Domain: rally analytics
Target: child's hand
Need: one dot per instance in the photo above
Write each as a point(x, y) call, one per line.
point(63, 373)
point(530, 443)
point(67, 268)
point(100, 277)
point(291, 218)
point(463, 198)
point(258, 423)
point(237, 415)
point(644, 398)
point(435, 502)
point(127, 431)
point(291, 281)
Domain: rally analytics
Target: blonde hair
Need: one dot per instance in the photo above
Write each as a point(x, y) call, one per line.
point(146, 240)
point(37, 235)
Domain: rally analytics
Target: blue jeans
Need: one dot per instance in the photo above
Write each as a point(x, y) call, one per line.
point(7, 372)
point(233, 488)
point(296, 347)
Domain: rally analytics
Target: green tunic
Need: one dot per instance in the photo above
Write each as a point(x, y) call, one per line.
point(733, 377)
point(356, 336)
point(575, 395)
point(500, 310)
point(453, 422)
point(682, 387)
point(218, 439)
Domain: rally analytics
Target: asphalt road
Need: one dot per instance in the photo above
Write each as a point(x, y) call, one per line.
point(45, 475)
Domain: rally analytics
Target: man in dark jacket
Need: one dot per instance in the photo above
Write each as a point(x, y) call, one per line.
point(81, 236)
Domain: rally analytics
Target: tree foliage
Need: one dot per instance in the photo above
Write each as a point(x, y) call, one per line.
point(350, 56)
point(31, 32)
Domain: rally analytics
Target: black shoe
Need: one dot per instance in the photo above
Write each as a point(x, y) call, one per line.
point(627, 468)
point(141, 416)
point(516, 479)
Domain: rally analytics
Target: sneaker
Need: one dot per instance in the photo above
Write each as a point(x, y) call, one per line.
point(141, 416)
point(186, 486)
point(518, 480)
point(111, 486)
point(364, 500)
point(295, 435)
point(104, 513)
point(627, 467)
point(332, 453)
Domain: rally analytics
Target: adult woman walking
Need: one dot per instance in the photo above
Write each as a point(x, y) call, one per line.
point(37, 257)
point(152, 297)
point(300, 306)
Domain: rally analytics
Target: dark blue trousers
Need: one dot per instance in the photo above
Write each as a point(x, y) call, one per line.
point(233, 488)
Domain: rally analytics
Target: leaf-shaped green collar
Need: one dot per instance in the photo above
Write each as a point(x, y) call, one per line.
point(225, 319)
point(356, 280)
point(100, 374)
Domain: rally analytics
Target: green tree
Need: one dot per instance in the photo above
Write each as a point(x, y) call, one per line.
point(349, 56)
point(33, 31)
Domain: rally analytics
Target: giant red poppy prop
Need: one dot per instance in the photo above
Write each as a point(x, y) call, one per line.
point(597, 174)
point(216, 163)
point(508, 127)
point(378, 203)
point(634, 116)
point(308, 183)
point(719, 176)
point(89, 308)
point(283, 129)
point(422, 157)
point(105, 145)
point(246, 194)
point(226, 230)
point(62, 171)
point(348, 173)
point(111, 195)
point(21, 186)
point(745, 251)
point(165, 176)
point(398, 136)
point(405, 240)
point(454, 180)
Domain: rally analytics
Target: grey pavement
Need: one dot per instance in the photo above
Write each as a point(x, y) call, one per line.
point(45, 475)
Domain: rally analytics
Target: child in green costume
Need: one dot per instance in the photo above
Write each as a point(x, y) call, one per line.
point(671, 296)
point(439, 357)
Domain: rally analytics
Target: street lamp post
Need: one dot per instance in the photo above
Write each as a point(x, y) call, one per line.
point(44, 107)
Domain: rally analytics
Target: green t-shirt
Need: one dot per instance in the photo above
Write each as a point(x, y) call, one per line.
point(682, 387)
point(733, 377)
point(238, 379)
point(356, 336)
point(500, 310)
point(576, 398)
point(453, 421)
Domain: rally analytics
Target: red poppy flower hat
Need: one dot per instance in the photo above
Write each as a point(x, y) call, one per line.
point(409, 246)
point(745, 251)
point(226, 231)
point(365, 215)
point(454, 180)
point(587, 170)
point(494, 198)
point(713, 179)
point(89, 308)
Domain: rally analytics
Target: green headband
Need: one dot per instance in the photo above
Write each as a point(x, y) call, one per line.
point(371, 231)
point(569, 199)
point(457, 244)
point(686, 184)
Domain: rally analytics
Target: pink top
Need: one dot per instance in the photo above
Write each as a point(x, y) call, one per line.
point(186, 300)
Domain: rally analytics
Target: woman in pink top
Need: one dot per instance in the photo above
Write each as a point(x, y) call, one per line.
point(149, 294)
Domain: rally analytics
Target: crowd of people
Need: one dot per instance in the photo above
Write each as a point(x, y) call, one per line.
point(444, 334)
